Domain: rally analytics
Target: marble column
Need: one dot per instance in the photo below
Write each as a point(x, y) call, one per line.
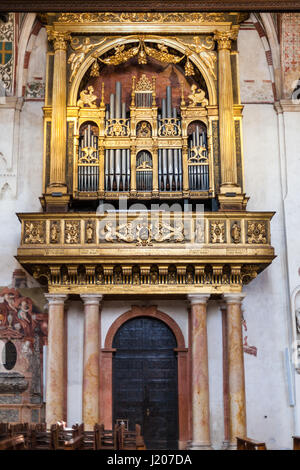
point(91, 354)
point(59, 110)
point(55, 359)
point(226, 122)
point(236, 375)
point(199, 372)
point(226, 440)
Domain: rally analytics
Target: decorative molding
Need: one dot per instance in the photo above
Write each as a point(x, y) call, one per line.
point(287, 106)
point(153, 5)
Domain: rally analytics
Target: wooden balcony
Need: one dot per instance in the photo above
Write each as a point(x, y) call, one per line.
point(145, 253)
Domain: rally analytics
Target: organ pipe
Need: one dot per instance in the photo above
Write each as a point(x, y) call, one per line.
point(117, 161)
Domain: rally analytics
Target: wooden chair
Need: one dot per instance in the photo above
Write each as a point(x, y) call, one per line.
point(296, 442)
point(250, 444)
point(57, 438)
point(16, 442)
point(39, 437)
point(130, 440)
point(140, 443)
point(4, 430)
point(10, 437)
point(105, 438)
point(77, 441)
point(21, 428)
point(89, 440)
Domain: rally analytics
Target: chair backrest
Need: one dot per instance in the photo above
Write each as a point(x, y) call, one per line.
point(296, 442)
point(249, 444)
point(4, 430)
point(105, 438)
point(127, 440)
point(57, 437)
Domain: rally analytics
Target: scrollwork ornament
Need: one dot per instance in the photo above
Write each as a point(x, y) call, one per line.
point(217, 232)
point(257, 232)
point(34, 232)
point(72, 232)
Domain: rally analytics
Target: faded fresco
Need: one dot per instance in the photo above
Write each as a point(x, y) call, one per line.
point(23, 333)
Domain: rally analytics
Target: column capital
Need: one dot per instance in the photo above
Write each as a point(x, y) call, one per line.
point(91, 299)
point(56, 299)
point(195, 299)
point(234, 298)
point(225, 38)
point(59, 38)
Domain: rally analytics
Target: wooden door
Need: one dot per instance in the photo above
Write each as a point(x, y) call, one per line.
point(145, 384)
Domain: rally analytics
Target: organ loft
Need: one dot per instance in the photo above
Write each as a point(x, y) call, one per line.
point(142, 113)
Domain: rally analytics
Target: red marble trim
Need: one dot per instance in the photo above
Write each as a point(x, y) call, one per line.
point(225, 374)
point(65, 413)
point(106, 399)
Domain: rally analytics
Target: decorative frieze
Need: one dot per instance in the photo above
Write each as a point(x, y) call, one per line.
point(257, 232)
point(144, 230)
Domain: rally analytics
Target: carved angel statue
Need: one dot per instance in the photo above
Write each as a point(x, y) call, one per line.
point(208, 58)
point(205, 53)
point(77, 57)
point(87, 97)
point(197, 97)
point(121, 55)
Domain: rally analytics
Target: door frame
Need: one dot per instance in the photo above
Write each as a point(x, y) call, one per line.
point(106, 363)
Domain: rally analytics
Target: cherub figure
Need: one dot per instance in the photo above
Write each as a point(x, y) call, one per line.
point(87, 97)
point(197, 96)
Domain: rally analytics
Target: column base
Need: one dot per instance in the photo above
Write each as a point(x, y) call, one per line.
point(232, 446)
point(55, 202)
point(225, 445)
point(199, 446)
point(231, 201)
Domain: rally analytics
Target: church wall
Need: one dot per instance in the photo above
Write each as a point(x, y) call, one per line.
point(75, 330)
point(266, 306)
point(21, 152)
point(28, 174)
point(215, 367)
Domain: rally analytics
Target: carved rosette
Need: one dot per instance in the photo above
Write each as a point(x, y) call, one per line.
point(34, 232)
point(217, 232)
point(72, 232)
point(257, 232)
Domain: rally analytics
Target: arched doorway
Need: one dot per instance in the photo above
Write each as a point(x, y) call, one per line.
point(145, 380)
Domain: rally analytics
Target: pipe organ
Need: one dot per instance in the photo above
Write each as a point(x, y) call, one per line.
point(147, 114)
point(141, 145)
